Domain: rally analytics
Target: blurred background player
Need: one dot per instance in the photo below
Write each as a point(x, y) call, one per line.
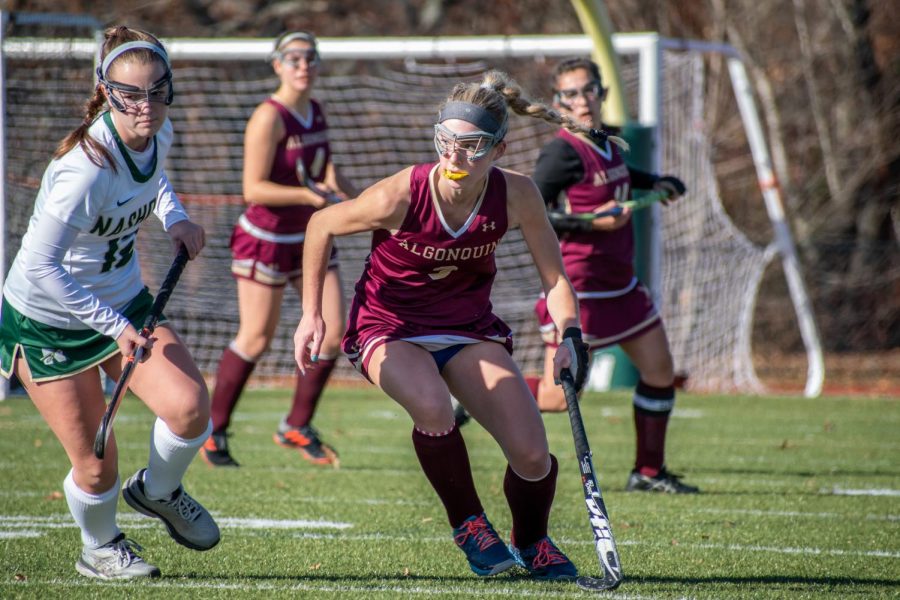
point(74, 299)
point(288, 175)
point(576, 174)
point(422, 327)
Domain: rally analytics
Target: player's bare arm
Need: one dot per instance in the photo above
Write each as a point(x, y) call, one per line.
point(526, 209)
point(264, 130)
point(381, 206)
point(611, 222)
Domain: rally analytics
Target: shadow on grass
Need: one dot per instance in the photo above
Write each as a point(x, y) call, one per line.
point(842, 582)
point(374, 579)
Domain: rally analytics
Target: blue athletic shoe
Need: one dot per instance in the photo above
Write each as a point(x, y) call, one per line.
point(543, 560)
point(486, 552)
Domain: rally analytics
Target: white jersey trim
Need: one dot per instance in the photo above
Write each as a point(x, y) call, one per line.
point(305, 121)
point(605, 294)
point(432, 187)
point(269, 236)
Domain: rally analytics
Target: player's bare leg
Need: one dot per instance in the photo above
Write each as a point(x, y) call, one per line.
point(499, 399)
point(410, 375)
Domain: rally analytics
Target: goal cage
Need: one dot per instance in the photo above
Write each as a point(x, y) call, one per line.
point(381, 97)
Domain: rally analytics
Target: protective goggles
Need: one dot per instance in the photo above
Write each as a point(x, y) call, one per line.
point(475, 145)
point(592, 91)
point(128, 97)
point(292, 57)
point(124, 97)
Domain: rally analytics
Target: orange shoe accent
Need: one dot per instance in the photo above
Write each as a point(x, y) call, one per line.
point(296, 441)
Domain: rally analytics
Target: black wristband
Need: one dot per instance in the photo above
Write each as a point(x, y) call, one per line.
point(572, 332)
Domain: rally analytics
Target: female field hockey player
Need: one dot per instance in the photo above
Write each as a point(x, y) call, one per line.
point(421, 324)
point(288, 175)
point(74, 299)
point(577, 175)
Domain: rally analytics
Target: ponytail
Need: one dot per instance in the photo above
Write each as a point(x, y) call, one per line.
point(96, 152)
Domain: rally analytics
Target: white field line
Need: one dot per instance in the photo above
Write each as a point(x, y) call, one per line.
point(787, 481)
point(248, 526)
point(440, 588)
point(625, 411)
point(53, 521)
point(29, 527)
point(796, 513)
point(23, 533)
point(838, 491)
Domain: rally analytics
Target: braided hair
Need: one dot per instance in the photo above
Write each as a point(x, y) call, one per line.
point(498, 92)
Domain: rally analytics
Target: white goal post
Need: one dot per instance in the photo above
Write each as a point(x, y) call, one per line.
point(381, 96)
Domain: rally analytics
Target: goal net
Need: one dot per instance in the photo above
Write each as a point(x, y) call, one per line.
point(380, 114)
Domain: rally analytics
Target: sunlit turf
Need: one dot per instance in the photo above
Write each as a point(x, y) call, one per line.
point(801, 499)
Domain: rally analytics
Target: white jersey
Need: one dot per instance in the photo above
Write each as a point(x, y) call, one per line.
point(99, 272)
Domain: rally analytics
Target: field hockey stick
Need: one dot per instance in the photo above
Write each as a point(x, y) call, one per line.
point(311, 186)
point(598, 516)
point(159, 303)
point(645, 201)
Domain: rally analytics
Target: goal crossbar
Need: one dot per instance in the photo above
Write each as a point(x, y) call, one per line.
point(648, 48)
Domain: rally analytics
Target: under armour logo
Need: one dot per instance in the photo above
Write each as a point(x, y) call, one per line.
point(48, 357)
point(492, 226)
point(442, 272)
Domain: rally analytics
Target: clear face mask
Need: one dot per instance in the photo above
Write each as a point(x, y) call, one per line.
point(475, 145)
point(126, 97)
point(294, 56)
point(590, 92)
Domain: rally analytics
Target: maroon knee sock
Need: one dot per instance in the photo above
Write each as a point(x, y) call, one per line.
point(533, 383)
point(530, 503)
point(652, 407)
point(307, 392)
point(231, 377)
point(445, 461)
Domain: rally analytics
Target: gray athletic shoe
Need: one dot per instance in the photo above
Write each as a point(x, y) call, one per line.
point(115, 560)
point(187, 521)
point(665, 482)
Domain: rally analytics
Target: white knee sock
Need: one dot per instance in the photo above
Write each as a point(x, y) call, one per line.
point(170, 457)
point(94, 514)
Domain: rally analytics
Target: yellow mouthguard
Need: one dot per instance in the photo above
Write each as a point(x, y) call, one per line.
point(455, 175)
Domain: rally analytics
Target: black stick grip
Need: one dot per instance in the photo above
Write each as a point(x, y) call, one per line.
point(159, 303)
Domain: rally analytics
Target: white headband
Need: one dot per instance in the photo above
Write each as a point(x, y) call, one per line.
point(121, 49)
point(297, 35)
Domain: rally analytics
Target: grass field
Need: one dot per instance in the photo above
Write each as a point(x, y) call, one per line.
point(800, 500)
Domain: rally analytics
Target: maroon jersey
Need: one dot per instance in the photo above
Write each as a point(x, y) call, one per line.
point(305, 141)
point(598, 261)
point(427, 279)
